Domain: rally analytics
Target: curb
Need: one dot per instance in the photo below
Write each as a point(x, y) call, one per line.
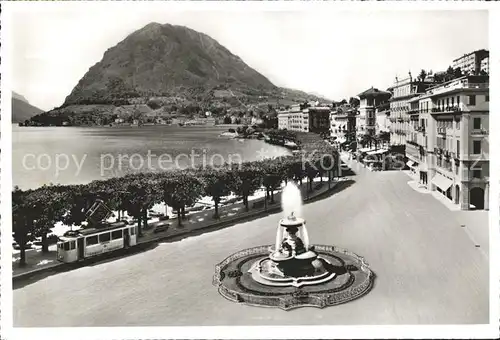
point(60, 267)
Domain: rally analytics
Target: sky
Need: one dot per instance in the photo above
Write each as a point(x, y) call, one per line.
point(337, 54)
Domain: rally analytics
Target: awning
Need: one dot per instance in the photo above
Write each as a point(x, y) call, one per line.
point(378, 152)
point(442, 182)
point(366, 149)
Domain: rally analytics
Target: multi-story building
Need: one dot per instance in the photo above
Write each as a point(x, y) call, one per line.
point(470, 63)
point(402, 92)
point(369, 100)
point(449, 142)
point(343, 124)
point(485, 65)
point(319, 118)
point(382, 122)
point(305, 119)
point(283, 120)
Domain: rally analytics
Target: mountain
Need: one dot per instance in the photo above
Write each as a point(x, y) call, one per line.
point(168, 70)
point(164, 60)
point(22, 109)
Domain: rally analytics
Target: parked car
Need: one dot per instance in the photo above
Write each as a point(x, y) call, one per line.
point(159, 226)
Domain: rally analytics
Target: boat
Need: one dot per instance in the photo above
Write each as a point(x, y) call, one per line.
point(291, 145)
point(227, 134)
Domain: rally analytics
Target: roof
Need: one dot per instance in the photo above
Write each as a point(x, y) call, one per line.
point(373, 92)
point(91, 231)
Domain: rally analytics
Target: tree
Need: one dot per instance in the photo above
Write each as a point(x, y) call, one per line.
point(48, 207)
point(422, 75)
point(215, 185)
point(457, 73)
point(181, 190)
point(354, 102)
point(273, 176)
point(244, 182)
point(21, 226)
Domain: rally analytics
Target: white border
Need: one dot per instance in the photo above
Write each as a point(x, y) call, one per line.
point(255, 332)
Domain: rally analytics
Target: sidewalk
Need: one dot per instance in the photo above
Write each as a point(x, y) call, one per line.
point(36, 261)
point(473, 222)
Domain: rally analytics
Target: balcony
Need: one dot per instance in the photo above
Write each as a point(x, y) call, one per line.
point(441, 131)
point(420, 129)
point(479, 132)
point(447, 109)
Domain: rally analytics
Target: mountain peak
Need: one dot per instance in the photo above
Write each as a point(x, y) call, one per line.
point(164, 60)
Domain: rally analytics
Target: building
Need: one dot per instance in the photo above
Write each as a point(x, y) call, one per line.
point(402, 92)
point(470, 63)
point(369, 100)
point(283, 120)
point(448, 145)
point(485, 65)
point(343, 124)
point(318, 118)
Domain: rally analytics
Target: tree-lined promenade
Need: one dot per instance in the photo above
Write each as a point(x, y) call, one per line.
point(35, 212)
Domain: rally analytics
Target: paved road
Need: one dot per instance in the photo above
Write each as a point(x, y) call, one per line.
point(428, 270)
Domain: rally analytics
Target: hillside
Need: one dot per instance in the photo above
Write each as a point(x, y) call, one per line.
point(168, 69)
point(22, 109)
point(165, 60)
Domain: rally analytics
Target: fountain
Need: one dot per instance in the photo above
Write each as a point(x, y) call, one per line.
point(292, 272)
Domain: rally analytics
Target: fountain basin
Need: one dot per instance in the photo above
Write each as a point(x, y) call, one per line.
point(267, 272)
point(351, 279)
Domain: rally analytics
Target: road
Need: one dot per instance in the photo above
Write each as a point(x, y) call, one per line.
point(428, 270)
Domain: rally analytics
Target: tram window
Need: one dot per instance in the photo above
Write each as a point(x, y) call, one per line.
point(91, 240)
point(104, 237)
point(66, 245)
point(132, 231)
point(116, 234)
point(72, 245)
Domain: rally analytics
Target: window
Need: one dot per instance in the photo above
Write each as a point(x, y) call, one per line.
point(115, 235)
point(458, 100)
point(132, 231)
point(447, 102)
point(66, 245)
point(476, 147)
point(458, 148)
point(472, 99)
point(72, 245)
point(91, 240)
point(487, 98)
point(476, 173)
point(104, 237)
point(477, 123)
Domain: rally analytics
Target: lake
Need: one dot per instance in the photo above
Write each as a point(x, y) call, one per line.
point(79, 155)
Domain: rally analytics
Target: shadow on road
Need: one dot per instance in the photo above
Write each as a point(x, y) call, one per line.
point(123, 253)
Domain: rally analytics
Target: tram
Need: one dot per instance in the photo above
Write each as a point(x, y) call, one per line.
point(101, 238)
point(82, 244)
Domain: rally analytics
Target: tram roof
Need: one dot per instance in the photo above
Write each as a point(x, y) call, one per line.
point(90, 231)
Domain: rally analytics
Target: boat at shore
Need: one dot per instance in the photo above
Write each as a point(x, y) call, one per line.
point(228, 134)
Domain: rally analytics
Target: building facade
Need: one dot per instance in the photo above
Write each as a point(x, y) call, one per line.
point(310, 119)
point(319, 119)
point(283, 120)
point(450, 149)
point(369, 101)
point(470, 63)
point(343, 124)
point(485, 65)
point(403, 91)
